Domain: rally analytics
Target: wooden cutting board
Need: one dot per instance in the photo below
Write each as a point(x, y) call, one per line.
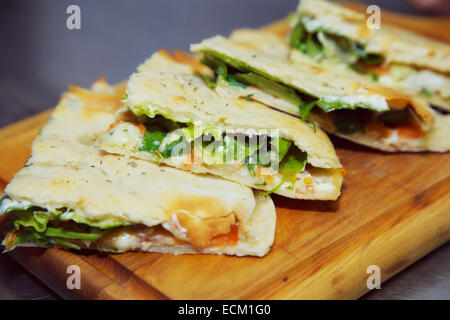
point(394, 209)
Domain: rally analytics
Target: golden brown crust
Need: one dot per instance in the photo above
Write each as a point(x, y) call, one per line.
point(201, 232)
point(281, 27)
point(185, 58)
point(99, 101)
point(208, 222)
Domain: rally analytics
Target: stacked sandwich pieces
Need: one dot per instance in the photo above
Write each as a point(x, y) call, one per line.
point(389, 55)
point(183, 157)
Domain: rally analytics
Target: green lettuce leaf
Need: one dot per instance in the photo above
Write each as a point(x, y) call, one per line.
point(215, 64)
point(323, 43)
point(297, 35)
point(191, 133)
point(221, 71)
point(243, 80)
point(294, 162)
point(274, 88)
point(250, 167)
point(68, 234)
point(240, 150)
point(329, 106)
point(240, 67)
point(152, 141)
point(274, 189)
point(208, 81)
point(291, 159)
point(228, 148)
point(167, 153)
point(29, 236)
point(43, 228)
point(37, 221)
point(107, 223)
point(30, 218)
point(65, 243)
point(283, 147)
point(233, 80)
point(244, 73)
point(312, 48)
point(425, 92)
point(14, 239)
point(306, 109)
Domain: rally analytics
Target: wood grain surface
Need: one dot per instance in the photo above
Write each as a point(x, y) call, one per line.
point(394, 209)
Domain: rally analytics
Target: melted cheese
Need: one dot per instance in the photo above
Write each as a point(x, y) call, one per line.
point(376, 101)
point(429, 80)
point(125, 135)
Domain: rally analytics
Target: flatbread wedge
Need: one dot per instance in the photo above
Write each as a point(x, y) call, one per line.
point(389, 55)
point(339, 101)
point(71, 195)
point(177, 119)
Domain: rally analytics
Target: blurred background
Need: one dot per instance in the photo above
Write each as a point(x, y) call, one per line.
point(40, 57)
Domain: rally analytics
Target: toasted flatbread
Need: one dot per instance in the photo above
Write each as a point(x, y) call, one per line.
point(341, 94)
point(170, 88)
point(412, 63)
point(72, 195)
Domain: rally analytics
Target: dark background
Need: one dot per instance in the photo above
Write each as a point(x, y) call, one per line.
point(40, 57)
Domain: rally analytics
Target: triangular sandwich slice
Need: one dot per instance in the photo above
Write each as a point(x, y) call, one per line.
point(177, 119)
point(71, 195)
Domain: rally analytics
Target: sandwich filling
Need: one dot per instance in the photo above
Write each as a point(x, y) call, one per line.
point(172, 116)
point(348, 115)
point(260, 160)
point(321, 44)
point(23, 224)
point(309, 37)
point(72, 195)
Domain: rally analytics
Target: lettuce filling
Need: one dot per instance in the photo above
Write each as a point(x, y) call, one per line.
point(165, 139)
point(40, 227)
point(61, 228)
point(348, 117)
point(235, 73)
point(31, 225)
point(320, 44)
